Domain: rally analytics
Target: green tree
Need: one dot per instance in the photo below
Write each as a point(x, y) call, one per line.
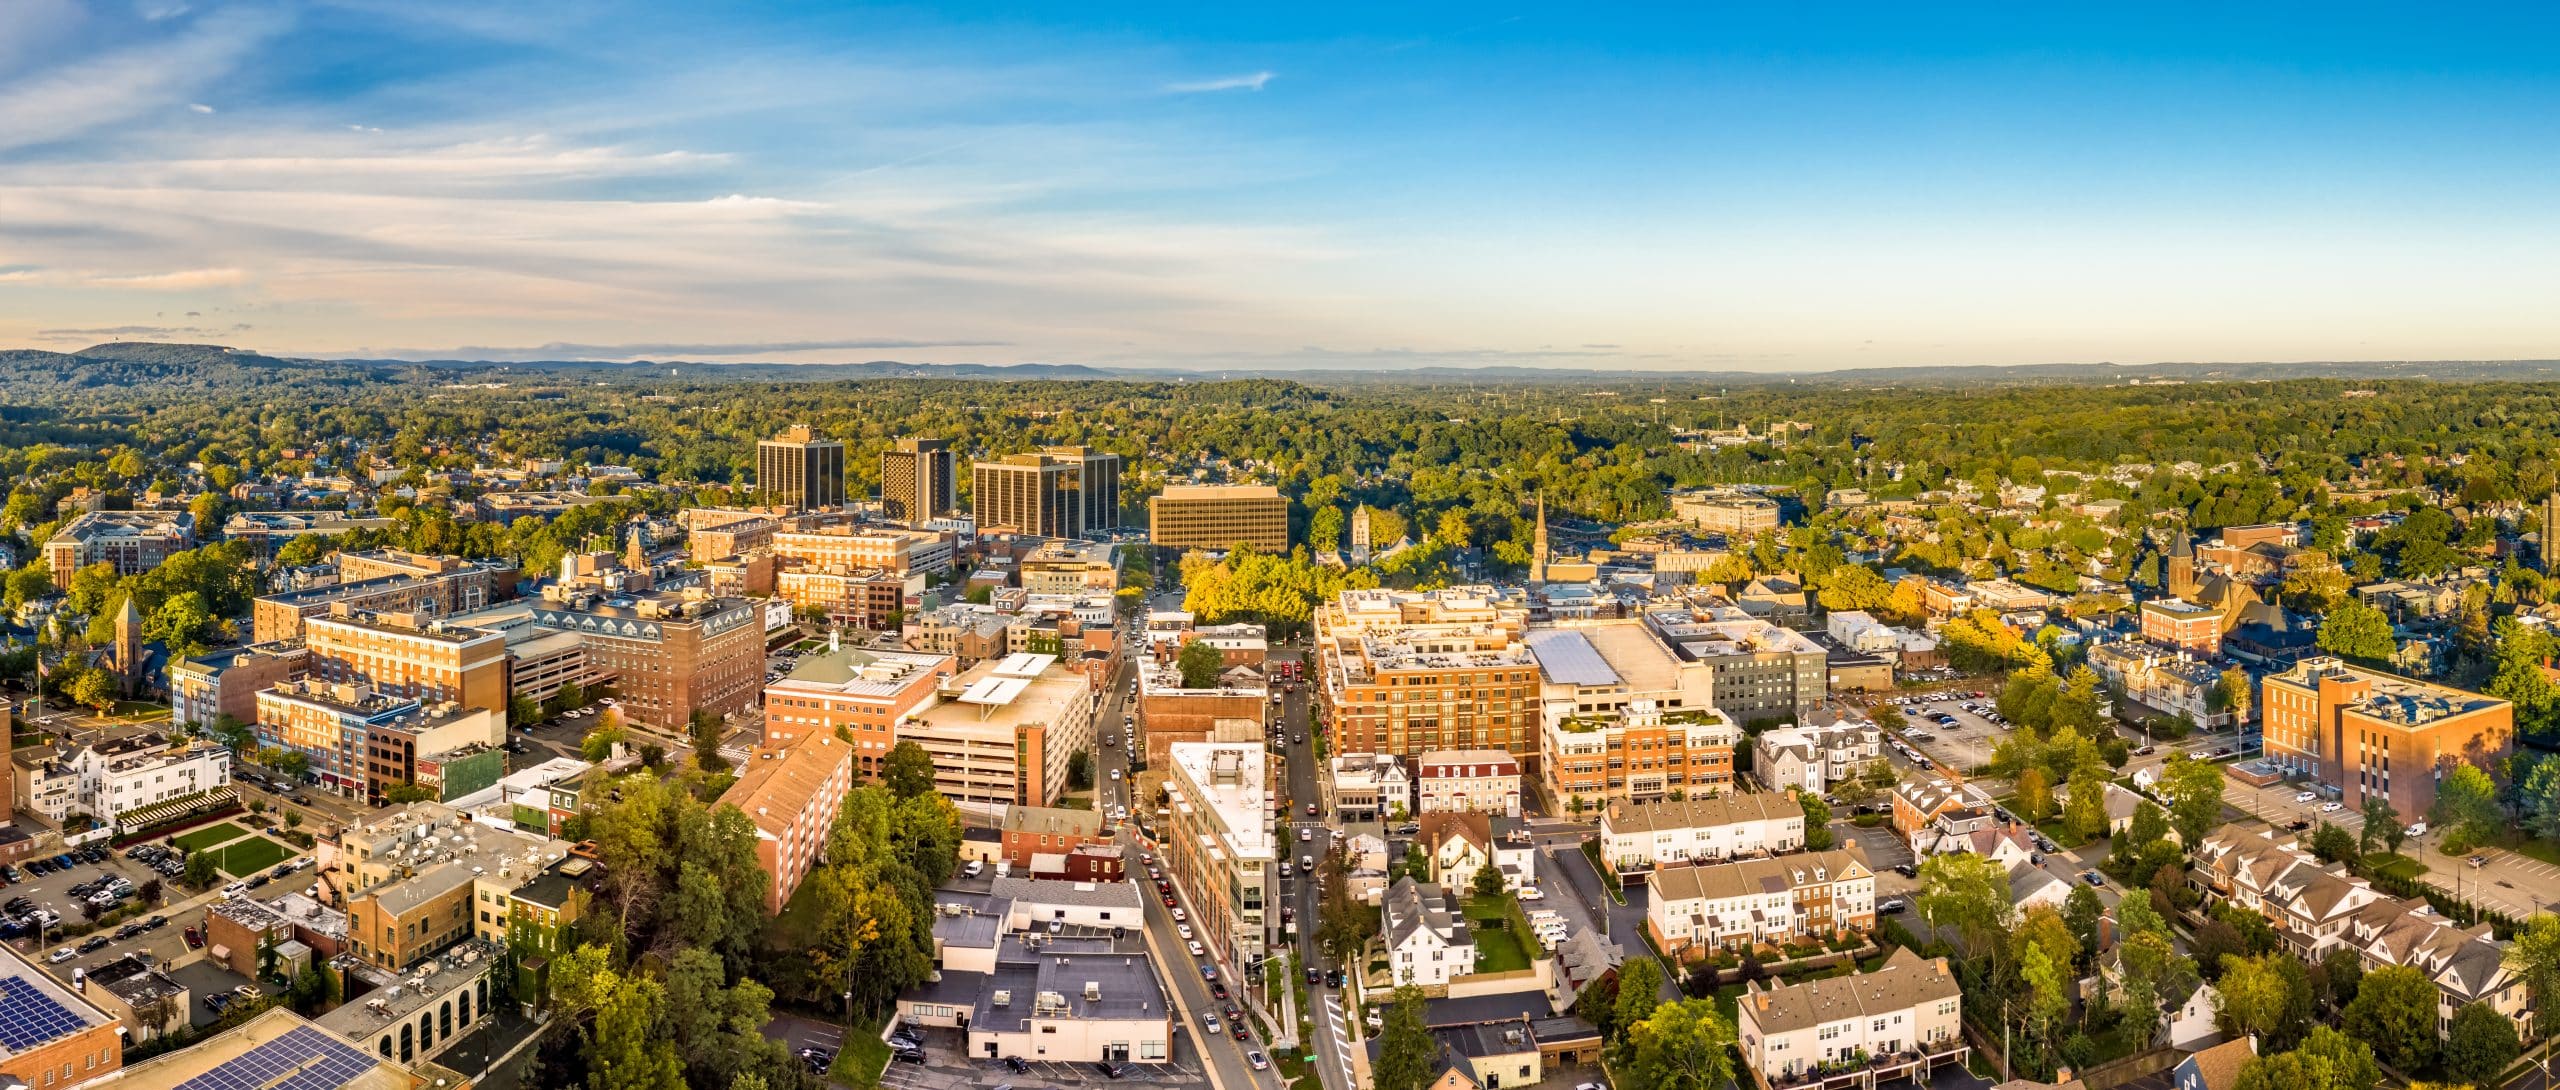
point(1347, 925)
point(2149, 823)
point(2357, 631)
point(1079, 770)
point(2035, 796)
point(1200, 663)
point(1682, 1046)
point(598, 745)
point(2480, 1044)
point(2467, 808)
point(1817, 821)
point(1487, 886)
point(2382, 828)
point(1639, 993)
point(1406, 1050)
point(908, 771)
point(2534, 954)
point(2194, 791)
point(2350, 1061)
point(2085, 817)
point(2250, 997)
point(1970, 894)
point(2395, 1012)
point(2333, 844)
point(2048, 997)
point(27, 584)
point(2081, 910)
point(200, 872)
point(2345, 972)
point(95, 688)
point(407, 791)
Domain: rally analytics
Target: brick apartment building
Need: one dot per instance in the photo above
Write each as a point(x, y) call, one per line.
point(857, 691)
point(2370, 734)
point(672, 653)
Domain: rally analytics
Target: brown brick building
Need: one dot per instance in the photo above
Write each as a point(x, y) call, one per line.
point(1220, 517)
point(2369, 733)
point(405, 654)
point(855, 691)
point(669, 653)
point(1043, 830)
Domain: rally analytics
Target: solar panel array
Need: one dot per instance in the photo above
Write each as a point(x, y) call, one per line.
point(28, 1017)
point(303, 1059)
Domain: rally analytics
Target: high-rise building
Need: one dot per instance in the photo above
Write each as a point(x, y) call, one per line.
point(1220, 517)
point(801, 468)
point(1058, 492)
point(2551, 533)
point(917, 481)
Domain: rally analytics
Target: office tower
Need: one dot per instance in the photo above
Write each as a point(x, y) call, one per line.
point(1058, 492)
point(1220, 517)
point(2550, 532)
point(801, 468)
point(916, 481)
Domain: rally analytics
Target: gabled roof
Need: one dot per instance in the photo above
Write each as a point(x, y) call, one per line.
point(1906, 980)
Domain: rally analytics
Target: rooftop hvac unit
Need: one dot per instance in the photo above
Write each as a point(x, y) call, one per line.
point(1092, 990)
point(1002, 998)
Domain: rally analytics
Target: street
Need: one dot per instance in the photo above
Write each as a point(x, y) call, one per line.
point(1224, 1056)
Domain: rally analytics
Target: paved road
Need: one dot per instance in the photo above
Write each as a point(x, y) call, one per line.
point(1223, 1056)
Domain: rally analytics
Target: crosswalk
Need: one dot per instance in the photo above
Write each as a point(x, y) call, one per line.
point(1337, 1024)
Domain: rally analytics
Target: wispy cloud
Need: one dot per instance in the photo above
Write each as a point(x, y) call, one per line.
point(119, 83)
point(1253, 82)
point(153, 331)
point(179, 280)
point(200, 107)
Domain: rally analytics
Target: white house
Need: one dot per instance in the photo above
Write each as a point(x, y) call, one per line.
point(1485, 781)
point(1460, 844)
point(1813, 758)
point(1902, 1019)
point(1644, 835)
point(1427, 939)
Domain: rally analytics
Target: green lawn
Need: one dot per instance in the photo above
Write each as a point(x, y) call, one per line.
point(209, 836)
point(2544, 850)
point(1499, 948)
point(2394, 866)
point(242, 858)
point(862, 1058)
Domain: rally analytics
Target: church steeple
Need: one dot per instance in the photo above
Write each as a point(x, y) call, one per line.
point(1538, 545)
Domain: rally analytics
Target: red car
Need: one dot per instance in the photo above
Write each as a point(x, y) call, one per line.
point(195, 941)
point(1168, 900)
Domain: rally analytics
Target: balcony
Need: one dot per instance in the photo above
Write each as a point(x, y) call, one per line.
point(1863, 1071)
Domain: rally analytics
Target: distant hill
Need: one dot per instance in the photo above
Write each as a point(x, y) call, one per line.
point(163, 367)
point(773, 372)
point(27, 374)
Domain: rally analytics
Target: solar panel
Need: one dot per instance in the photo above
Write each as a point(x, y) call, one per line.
point(302, 1059)
point(28, 1017)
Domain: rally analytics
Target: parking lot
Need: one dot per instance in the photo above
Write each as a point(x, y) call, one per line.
point(2503, 881)
point(1885, 850)
point(1964, 746)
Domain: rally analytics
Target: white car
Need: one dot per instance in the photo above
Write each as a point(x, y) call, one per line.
point(2331, 807)
point(1305, 835)
point(1179, 915)
point(975, 868)
point(2305, 796)
point(59, 956)
point(1182, 929)
point(1115, 774)
point(1197, 950)
point(1527, 893)
point(2419, 829)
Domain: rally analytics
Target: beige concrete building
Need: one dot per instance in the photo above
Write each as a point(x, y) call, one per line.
point(1221, 843)
point(1739, 514)
point(133, 541)
point(1001, 733)
point(1664, 833)
point(1187, 516)
point(1758, 903)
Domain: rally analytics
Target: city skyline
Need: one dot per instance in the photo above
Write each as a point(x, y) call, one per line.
point(1329, 189)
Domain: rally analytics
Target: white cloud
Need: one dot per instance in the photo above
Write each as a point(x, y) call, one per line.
point(1253, 82)
point(70, 100)
point(200, 107)
point(180, 280)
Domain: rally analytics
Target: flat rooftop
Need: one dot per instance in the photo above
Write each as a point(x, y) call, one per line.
point(857, 671)
point(1230, 778)
point(277, 1049)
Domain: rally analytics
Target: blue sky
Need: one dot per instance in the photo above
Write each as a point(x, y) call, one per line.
point(1180, 185)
